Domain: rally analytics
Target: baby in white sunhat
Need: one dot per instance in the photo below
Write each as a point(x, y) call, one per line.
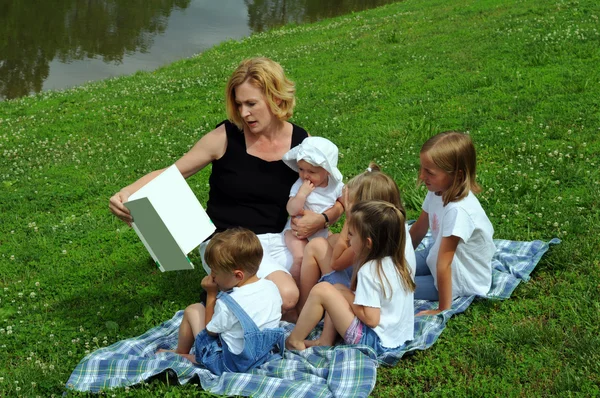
point(318, 188)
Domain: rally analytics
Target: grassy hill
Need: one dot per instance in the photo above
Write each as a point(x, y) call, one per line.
point(521, 77)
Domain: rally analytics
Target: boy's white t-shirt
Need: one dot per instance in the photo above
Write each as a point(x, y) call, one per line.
point(261, 301)
point(396, 322)
point(472, 263)
point(319, 200)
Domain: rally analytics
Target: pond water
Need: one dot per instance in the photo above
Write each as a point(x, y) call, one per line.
point(56, 44)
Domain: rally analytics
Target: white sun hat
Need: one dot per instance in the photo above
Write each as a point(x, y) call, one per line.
point(317, 151)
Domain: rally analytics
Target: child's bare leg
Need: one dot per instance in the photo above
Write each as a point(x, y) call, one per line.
point(296, 247)
point(332, 239)
point(316, 262)
point(191, 324)
point(327, 337)
point(329, 334)
point(323, 297)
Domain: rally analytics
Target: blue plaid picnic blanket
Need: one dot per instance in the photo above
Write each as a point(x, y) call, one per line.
point(341, 371)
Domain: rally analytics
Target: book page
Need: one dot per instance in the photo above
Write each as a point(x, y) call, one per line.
point(156, 237)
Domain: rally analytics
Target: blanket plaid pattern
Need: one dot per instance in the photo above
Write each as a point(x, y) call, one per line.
point(341, 371)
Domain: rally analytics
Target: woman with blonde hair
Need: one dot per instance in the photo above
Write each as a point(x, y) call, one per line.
point(249, 183)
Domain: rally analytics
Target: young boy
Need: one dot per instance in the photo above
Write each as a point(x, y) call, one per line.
point(318, 187)
point(238, 330)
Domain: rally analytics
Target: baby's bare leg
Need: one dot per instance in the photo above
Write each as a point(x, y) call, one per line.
point(316, 262)
point(296, 247)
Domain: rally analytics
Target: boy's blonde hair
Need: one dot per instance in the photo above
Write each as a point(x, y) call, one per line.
point(383, 223)
point(454, 153)
point(373, 184)
point(234, 249)
point(268, 76)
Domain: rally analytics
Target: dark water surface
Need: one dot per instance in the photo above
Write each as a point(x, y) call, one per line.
point(55, 44)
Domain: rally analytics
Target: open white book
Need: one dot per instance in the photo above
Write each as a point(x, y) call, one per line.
point(169, 220)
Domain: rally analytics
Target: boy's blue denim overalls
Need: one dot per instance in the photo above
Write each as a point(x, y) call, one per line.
point(212, 351)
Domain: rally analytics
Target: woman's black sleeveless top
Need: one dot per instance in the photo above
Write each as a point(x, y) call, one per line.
point(246, 191)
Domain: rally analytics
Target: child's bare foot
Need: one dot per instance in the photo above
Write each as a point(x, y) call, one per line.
point(189, 357)
point(294, 345)
point(316, 343)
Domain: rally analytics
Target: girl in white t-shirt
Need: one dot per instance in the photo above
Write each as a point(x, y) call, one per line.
point(378, 310)
point(459, 261)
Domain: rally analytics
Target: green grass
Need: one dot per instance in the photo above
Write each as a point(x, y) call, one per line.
point(521, 76)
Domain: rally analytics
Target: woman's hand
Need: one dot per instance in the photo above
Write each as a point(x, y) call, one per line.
point(307, 223)
point(118, 209)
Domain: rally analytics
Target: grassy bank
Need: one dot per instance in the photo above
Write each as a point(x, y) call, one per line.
point(521, 76)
